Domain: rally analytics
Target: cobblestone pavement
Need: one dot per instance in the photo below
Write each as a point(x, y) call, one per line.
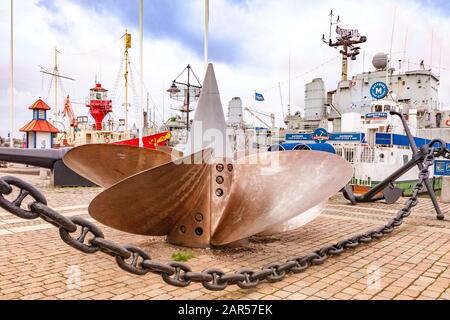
point(412, 263)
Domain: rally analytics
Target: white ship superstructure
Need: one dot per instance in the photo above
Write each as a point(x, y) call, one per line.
point(356, 114)
point(413, 90)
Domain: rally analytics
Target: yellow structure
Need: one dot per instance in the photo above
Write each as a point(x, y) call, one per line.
point(127, 61)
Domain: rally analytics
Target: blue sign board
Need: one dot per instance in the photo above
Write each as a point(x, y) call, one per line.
point(442, 168)
point(377, 115)
point(339, 137)
point(379, 90)
point(356, 137)
point(298, 137)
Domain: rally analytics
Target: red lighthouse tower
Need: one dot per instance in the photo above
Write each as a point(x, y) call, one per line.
point(99, 105)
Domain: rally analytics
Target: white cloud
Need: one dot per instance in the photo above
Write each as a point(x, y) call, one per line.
point(262, 32)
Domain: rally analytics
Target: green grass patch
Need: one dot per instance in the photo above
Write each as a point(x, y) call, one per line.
point(182, 256)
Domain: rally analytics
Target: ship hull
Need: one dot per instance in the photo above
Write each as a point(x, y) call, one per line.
point(159, 139)
point(407, 186)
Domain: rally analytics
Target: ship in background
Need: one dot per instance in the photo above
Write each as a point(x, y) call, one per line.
point(82, 131)
point(354, 118)
point(99, 124)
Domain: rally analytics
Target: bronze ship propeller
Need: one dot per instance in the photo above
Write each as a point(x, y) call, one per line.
point(207, 197)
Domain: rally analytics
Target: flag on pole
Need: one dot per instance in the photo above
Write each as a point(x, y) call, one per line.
point(259, 97)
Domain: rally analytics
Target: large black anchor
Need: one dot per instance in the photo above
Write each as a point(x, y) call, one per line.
point(389, 193)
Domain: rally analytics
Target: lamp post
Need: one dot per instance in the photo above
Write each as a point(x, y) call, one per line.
point(185, 91)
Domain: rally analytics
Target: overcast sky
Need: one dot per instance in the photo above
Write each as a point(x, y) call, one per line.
point(250, 44)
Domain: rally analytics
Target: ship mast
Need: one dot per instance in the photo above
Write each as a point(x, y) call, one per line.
point(127, 61)
point(55, 74)
point(347, 39)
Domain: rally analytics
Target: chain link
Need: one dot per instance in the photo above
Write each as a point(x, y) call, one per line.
point(136, 261)
point(26, 189)
point(178, 279)
point(137, 257)
point(86, 229)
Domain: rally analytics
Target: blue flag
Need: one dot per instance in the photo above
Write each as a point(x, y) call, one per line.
point(259, 97)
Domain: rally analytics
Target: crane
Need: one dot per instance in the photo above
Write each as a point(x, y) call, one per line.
point(68, 112)
point(255, 114)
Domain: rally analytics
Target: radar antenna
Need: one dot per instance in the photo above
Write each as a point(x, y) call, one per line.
point(347, 39)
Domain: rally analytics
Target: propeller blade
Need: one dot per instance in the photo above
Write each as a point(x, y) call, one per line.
point(296, 222)
point(107, 164)
point(271, 188)
point(151, 202)
point(174, 152)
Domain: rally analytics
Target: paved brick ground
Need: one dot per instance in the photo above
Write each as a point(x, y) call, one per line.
point(413, 263)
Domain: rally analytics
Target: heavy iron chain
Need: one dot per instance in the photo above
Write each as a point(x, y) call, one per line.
point(136, 261)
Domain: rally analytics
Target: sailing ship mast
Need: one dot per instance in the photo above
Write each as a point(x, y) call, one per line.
point(127, 61)
point(126, 70)
point(55, 74)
